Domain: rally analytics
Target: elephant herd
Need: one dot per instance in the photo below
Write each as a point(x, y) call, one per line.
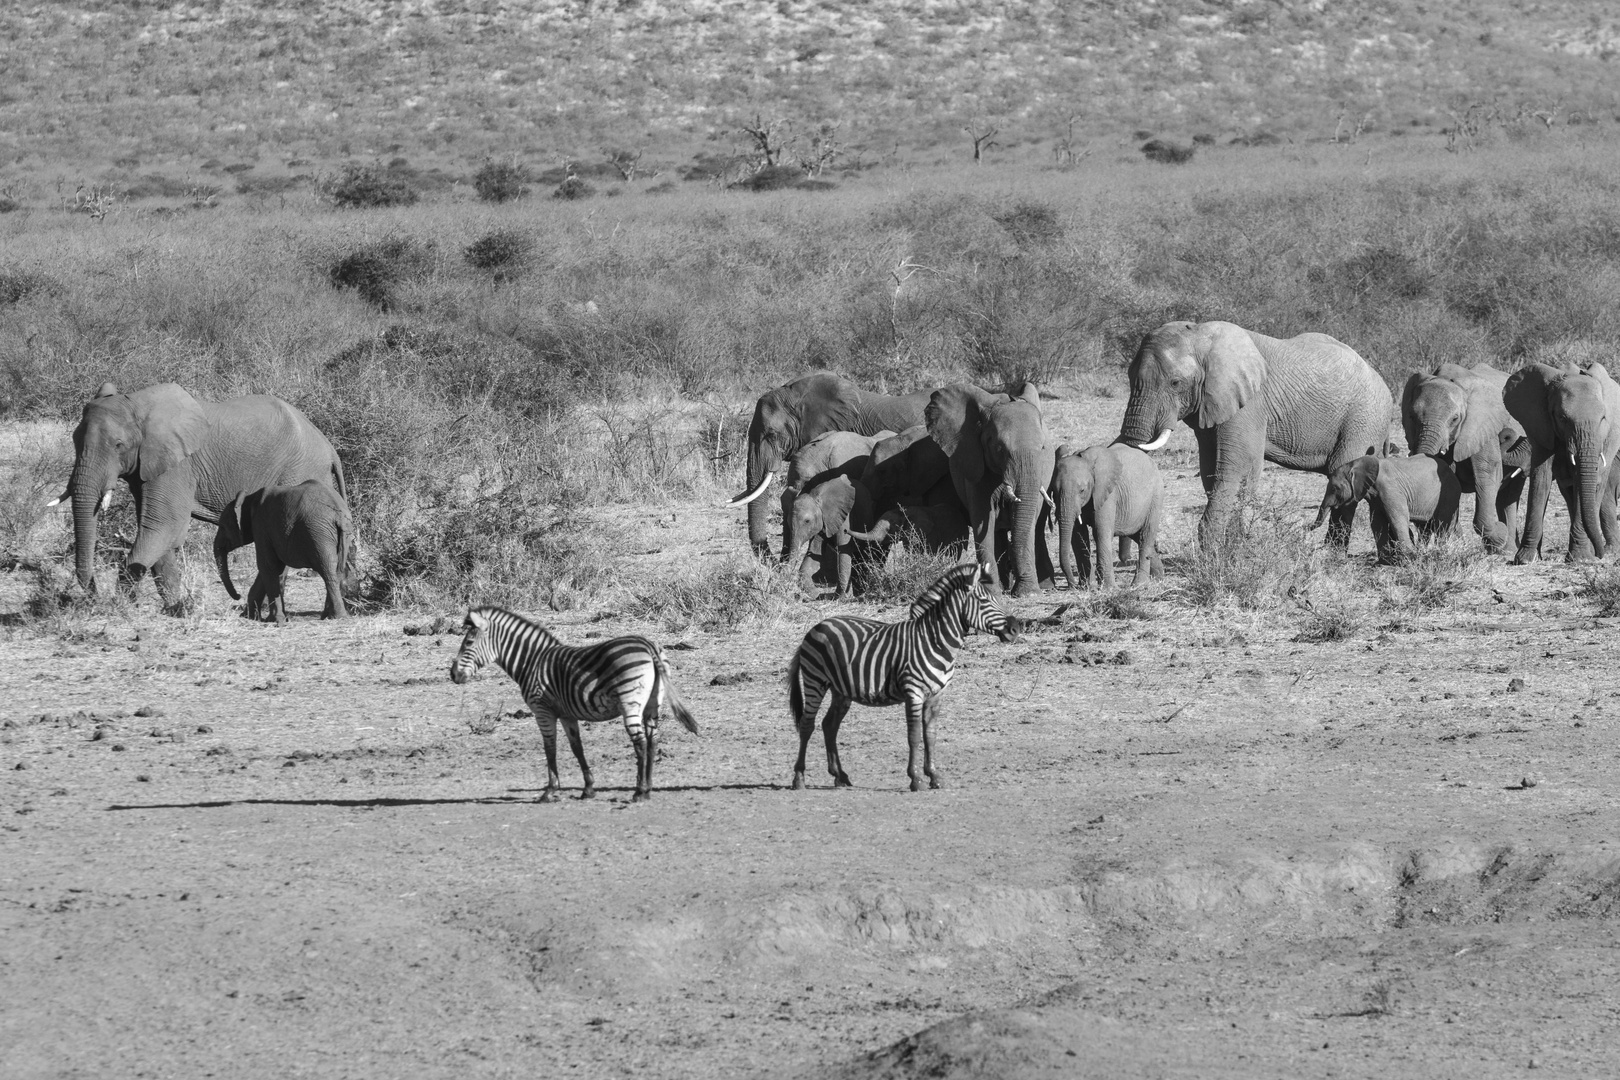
point(960, 464)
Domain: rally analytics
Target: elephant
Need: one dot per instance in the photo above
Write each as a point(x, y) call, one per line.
point(183, 458)
point(820, 493)
point(1308, 403)
point(936, 525)
point(1399, 491)
point(1569, 417)
point(1000, 455)
point(907, 468)
point(789, 417)
point(305, 525)
point(1459, 412)
point(1112, 491)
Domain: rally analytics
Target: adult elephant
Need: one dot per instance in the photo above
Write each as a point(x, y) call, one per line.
point(1001, 458)
point(183, 459)
point(1307, 402)
point(788, 417)
point(1458, 412)
point(1571, 418)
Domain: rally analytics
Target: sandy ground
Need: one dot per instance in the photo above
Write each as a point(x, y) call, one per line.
point(1184, 845)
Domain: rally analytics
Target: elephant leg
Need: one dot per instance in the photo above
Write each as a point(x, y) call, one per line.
point(274, 593)
point(1144, 560)
point(1580, 544)
point(1125, 550)
point(169, 580)
point(335, 608)
point(255, 608)
point(577, 745)
point(546, 720)
point(1104, 520)
point(1540, 483)
point(829, 734)
point(932, 707)
point(1239, 447)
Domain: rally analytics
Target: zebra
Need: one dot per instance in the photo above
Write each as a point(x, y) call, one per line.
point(624, 676)
point(879, 663)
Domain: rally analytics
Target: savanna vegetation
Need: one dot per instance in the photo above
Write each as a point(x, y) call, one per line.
point(490, 370)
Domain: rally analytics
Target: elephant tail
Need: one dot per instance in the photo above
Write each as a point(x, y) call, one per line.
point(667, 692)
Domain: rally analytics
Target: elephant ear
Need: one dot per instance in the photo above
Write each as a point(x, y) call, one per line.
point(837, 499)
point(1485, 419)
point(1525, 397)
point(1030, 394)
point(1105, 473)
point(953, 416)
point(1234, 372)
point(1409, 420)
point(1363, 475)
point(173, 427)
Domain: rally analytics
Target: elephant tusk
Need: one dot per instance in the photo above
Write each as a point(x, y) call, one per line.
point(1164, 437)
point(1515, 474)
point(60, 499)
point(106, 501)
point(750, 496)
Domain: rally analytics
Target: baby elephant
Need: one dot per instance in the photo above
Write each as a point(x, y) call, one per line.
point(1114, 491)
point(1400, 491)
point(305, 526)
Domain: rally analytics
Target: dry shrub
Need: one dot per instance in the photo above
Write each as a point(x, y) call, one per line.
point(1123, 604)
point(376, 270)
point(499, 181)
point(1602, 587)
point(504, 252)
point(364, 187)
point(571, 188)
point(18, 285)
point(908, 570)
point(720, 597)
point(1166, 152)
point(1432, 575)
point(1030, 222)
point(1265, 557)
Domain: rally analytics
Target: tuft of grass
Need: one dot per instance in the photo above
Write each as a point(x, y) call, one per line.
point(573, 187)
point(1602, 587)
point(723, 596)
point(17, 285)
point(501, 181)
point(364, 187)
point(1432, 576)
point(1335, 620)
point(909, 569)
point(1122, 604)
point(1030, 221)
point(1165, 152)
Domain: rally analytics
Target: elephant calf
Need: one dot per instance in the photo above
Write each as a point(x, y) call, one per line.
point(1400, 492)
point(306, 526)
point(1114, 491)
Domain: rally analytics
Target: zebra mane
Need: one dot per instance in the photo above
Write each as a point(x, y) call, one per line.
point(954, 579)
point(490, 612)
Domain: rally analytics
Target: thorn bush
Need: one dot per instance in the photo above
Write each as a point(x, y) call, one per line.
point(363, 187)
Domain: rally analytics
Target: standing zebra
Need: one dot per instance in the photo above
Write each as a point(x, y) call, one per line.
point(625, 676)
point(878, 663)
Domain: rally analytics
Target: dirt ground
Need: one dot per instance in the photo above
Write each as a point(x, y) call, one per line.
point(1181, 845)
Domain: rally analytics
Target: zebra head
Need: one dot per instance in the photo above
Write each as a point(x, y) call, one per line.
point(980, 610)
point(476, 648)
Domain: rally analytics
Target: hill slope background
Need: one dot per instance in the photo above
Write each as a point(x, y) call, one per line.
point(95, 82)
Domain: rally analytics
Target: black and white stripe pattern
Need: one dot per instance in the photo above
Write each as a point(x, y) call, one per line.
point(878, 663)
point(623, 677)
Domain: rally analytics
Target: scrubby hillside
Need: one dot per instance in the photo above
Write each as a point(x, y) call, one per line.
point(99, 80)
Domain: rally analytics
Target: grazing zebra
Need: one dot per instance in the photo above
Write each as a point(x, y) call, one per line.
point(879, 663)
point(625, 676)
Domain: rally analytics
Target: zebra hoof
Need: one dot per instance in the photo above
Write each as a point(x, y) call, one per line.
point(547, 796)
point(843, 781)
point(588, 793)
point(641, 796)
point(798, 781)
point(916, 785)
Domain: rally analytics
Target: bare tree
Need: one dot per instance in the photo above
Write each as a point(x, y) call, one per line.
point(823, 149)
point(983, 137)
point(624, 161)
point(770, 138)
point(1064, 151)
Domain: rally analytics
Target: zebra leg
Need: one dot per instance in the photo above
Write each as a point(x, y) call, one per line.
point(916, 724)
point(930, 712)
point(547, 722)
point(578, 747)
point(641, 739)
point(806, 702)
point(829, 733)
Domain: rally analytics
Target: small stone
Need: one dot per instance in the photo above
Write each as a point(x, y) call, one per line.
point(98, 734)
point(288, 764)
point(119, 746)
point(146, 711)
point(142, 778)
point(203, 729)
point(1515, 686)
point(1527, 782)
point(20, 766)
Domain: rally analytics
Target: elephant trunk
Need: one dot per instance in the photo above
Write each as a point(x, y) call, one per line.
point(1143, 424)
point(87, 489)
point(1024, 537)
point(1591, 474)
point(1432, 441)
point(1321, 517)
point(878, 534)
point(222, 559)
point(1068, 513)
point(763, 463)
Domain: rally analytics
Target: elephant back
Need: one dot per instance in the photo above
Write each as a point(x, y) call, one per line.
point(260, 441)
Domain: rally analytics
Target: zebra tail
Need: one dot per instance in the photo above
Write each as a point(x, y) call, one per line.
point(795, 690)
point(676, 704)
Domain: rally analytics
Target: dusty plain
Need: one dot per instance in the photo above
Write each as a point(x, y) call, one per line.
point(1179, 845)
